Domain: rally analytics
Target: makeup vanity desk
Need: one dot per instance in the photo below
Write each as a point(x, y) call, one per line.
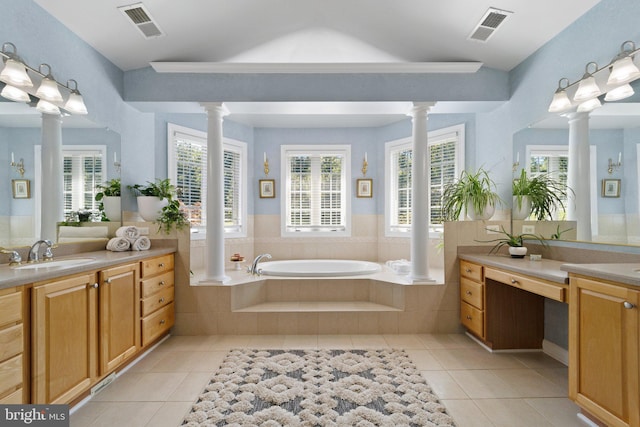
point(502, 298)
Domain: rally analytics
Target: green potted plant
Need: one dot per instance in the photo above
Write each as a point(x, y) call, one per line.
point(538, 196)
point(515, 242)
point(473, 192)
point(157, 203)
point(109, 197)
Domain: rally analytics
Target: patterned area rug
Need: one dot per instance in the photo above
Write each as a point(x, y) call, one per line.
point(317, 388)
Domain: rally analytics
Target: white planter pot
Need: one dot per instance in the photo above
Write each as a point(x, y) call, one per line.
point(523, 211)
point(487, 212)
point(150, 207)
point(112, 208)
point(517, 251)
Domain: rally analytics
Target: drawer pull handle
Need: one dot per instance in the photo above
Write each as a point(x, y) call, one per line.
point(162, 283)
point(514, 282)
point(162, 322)
point(628, 305)
point(94, 286)
point(161, 265)
point(161, 300)
point(468, 317)
point(468, 293)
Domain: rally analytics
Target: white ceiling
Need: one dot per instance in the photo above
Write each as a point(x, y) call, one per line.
point(321, 32)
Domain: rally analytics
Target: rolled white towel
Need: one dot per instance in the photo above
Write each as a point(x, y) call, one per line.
point(130, 232)
point(118, 244)
point(142, 243)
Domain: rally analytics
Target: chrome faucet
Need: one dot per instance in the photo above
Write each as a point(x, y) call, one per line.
point(254, 265)
point(34, 255)
point(14, 256)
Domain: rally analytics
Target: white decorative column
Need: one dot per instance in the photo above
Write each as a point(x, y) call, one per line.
point(214, 254)
point(578, 178)
point(420, 167)
point(51, 187)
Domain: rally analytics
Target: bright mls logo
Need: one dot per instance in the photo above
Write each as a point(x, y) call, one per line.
point(34, 415)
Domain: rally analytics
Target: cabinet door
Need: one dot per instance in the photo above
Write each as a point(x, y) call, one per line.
point(119, 315)
point(603, 351)
point(64, 338)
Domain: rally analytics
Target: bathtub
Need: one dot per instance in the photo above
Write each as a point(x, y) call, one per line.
point(318, 268)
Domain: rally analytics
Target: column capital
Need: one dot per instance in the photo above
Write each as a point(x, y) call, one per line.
point(420, 108)
point(574, 116)
point(215, 107)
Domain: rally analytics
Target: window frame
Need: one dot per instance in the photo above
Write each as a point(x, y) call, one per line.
point(433, 137)
point(84, 151)
point(199, 232)
point(338, 149)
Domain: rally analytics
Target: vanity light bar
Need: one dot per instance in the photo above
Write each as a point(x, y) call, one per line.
point(15, 76)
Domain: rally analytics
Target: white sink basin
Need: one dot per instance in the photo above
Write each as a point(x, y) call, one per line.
point(71, 262)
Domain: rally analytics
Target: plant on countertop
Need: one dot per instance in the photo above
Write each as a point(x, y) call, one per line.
point(171, 215)
point(558, 233)
point(471, 191)
point(513, 240)
point(111, 188)
point(545, 193)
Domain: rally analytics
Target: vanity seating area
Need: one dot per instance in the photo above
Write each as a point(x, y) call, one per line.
point(66, 328)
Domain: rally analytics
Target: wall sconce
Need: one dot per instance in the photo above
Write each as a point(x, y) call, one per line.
point(614, 166)
point(516, 164)
point(19, 85)
point(365, 165)
point(19, 166)
point(266, 165)
point(593, 83)
point(116, 163)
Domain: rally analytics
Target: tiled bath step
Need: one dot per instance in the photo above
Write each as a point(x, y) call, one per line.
point(315, 306)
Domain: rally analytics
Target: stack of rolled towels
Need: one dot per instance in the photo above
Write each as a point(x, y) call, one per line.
point(128, 238)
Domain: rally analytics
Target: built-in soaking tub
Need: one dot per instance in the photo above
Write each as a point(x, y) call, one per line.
point(318, 268)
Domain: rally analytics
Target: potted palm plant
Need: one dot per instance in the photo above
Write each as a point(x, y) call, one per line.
point(473, 192)
point(157, 202)
point(109, 197)
point(515, 242)
point(539, 196)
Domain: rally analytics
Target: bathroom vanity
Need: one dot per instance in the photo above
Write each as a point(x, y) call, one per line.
point(65, 328)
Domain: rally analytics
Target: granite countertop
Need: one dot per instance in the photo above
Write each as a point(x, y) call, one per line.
point(626, 273)
point(546, 269)
point(12, 276)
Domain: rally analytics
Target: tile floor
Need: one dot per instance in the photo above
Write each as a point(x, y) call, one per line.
point(477, 387)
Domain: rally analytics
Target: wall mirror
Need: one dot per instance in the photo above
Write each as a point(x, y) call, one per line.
point(614, 139)
point(91, 152)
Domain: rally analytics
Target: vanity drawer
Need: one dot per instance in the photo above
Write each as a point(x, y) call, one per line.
point(157, 300)
point(537, 286)
point(10, 341)
point(472, 319)
point(471, 292)
point(471, 271)
point(10, 308)
point(156, 265)
point(157, 323)
point(14, 398)
point(10, 374)
point(156, 284)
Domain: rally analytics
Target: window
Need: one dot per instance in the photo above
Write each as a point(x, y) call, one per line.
point(188, 172)
point(316, 190)
point(554, 162)
point(446, 157)
point(82, 171)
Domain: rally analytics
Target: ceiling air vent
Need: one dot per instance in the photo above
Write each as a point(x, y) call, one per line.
point(489, 23)
point(140, 17)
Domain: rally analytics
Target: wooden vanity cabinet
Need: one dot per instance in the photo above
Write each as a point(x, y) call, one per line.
point(156, 297)
point(472, 298)
point(604, 343)
point(13, 363)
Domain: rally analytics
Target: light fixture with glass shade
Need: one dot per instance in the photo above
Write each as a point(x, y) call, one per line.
point(48, 89)
point(47, 107)
point(587, 88)
point(560, 100)
point(75, 103)
point(14, 94)
point(621, 92)
point(14, 72)
point(623, 70)
point(589, 105)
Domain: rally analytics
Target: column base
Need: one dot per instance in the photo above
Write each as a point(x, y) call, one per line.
point(213, 280)
point(421, 279)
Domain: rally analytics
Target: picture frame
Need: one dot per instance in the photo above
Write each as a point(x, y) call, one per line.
point(364, 187)
point(267, 188)
point(610, 188)
point(21, 188)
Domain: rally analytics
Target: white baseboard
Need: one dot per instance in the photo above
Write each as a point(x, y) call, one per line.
point(586, 421)
point(555, 351)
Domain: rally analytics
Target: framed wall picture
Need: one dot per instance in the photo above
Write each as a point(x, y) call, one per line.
point(610, 188)
point(267, 188)
point(21, 188)
point(364, 187)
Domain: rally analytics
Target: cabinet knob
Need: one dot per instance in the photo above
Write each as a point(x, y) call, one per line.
point(162, 322)
point(628, 305)
point(468, 317)
point(467, 270)
point(161, 300)
point(108, 280)
point(161, 283)
point(161, 265)
point(468, 292)
point(94, 286)
point(514, 282)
